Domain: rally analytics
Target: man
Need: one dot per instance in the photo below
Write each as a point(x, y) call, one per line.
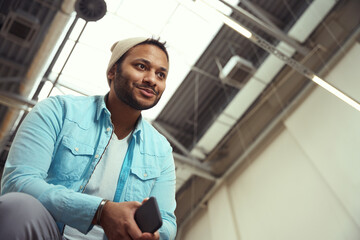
point(74, 154)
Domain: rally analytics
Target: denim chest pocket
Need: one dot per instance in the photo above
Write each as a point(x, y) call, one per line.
point(71, 159)
point(140, 183)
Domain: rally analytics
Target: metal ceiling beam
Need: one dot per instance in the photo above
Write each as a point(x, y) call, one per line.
point(173, 130)
point(17, 101)
point(273, 31)
point(13, 64)
point(11, 79)
point(206, 74)
point(173, 140)
point(188, 159)
point(262, 14)
point(196, 168)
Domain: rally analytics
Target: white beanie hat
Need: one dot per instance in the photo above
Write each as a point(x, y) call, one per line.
point(119, 48)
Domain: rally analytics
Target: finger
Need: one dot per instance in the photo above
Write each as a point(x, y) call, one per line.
point(144, 201)
point(150, 236)
point(134, 205)
point(133, 230)
point(147, 236)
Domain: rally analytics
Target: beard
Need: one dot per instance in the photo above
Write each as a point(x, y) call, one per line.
point(124, 92)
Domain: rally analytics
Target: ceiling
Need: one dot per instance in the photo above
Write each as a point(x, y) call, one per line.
point(215, 128)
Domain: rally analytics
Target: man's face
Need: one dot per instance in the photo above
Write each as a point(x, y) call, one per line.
point(141, 78)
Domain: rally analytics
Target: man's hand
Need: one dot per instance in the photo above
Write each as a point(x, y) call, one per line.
point(117, 220)
point(150, 236)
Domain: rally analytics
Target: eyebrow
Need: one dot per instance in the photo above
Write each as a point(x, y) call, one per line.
point(149, 63)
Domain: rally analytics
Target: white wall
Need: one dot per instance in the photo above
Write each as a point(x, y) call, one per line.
point(199, 228)
point(306, 184)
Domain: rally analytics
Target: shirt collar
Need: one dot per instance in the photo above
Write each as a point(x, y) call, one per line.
point(138, 131)
point(101, 106)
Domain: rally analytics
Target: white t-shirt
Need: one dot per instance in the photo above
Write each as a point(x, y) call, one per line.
point(103, 183)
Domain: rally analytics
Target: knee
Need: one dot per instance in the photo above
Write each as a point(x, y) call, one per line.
point(16, 197)
point(21, 205)
point(24, 217)
point(18, 201)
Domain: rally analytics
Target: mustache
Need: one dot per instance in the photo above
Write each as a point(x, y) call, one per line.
point(145, 86)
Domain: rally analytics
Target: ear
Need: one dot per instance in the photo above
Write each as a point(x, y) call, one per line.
point(111, 73)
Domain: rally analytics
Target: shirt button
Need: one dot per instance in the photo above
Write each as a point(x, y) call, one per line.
point(76, 149)
point(145, 175)
point(97, 155)
point(108, 129)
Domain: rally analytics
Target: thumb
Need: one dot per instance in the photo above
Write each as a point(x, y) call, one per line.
point(144, 201)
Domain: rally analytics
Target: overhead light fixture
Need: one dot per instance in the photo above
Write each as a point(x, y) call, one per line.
point(234, 25)
point(90, 10)
point(229, 21)
point(336, 92)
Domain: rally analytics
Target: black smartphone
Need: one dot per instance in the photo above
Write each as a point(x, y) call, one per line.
point(148, 216)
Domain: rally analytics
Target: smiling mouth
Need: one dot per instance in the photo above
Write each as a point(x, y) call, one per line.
point(147, 89)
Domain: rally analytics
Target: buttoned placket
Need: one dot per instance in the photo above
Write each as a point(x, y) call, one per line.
point(125, 170)
point(108, 129)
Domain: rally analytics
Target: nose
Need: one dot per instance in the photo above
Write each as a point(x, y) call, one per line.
point(150, 78)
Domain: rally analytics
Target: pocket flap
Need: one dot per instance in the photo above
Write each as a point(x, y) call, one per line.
point(77, 148)
point(145, 173)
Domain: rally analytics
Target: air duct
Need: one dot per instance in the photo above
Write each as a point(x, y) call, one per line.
point(237, 72)
point(20, 27)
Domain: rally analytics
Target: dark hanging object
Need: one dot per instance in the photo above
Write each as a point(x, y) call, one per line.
point(90, 10)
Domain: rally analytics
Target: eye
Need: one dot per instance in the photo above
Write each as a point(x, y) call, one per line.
point(141, 66)
point(161, 75)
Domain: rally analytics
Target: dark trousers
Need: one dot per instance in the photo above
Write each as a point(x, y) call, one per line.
point(23, 217)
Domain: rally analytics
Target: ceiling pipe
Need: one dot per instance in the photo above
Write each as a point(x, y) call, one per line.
point(17, 101)
point(68, 57)
point(90, 11)
point(51, 42)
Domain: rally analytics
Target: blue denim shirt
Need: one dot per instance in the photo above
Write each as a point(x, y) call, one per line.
point(57, 148)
